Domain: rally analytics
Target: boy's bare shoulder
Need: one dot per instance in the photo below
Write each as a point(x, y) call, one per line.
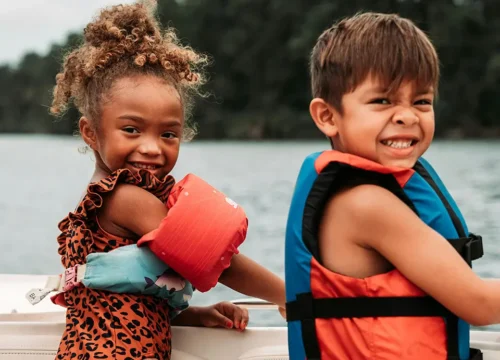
point(363, 200)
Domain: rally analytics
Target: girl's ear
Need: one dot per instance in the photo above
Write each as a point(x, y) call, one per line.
point(88, 132)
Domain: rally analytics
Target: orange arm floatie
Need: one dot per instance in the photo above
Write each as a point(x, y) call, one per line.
point(200, 234)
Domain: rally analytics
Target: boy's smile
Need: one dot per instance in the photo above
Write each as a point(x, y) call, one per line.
point(401, 146)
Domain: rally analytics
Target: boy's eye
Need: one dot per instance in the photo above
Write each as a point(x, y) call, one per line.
point(423, 102)
point(382, 101)
point(130, 130)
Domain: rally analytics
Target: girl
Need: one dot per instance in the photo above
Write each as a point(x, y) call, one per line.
point(133, 86)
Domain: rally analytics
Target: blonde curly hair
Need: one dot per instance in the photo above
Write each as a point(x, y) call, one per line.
point(126, 40)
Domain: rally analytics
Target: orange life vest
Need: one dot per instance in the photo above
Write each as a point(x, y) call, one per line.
point(331, 316)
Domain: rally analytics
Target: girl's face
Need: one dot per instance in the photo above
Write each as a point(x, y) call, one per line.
point(140, 127)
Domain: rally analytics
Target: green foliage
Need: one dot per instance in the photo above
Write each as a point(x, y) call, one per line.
point(259, 82)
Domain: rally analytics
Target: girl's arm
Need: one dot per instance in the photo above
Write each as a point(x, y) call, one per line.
point(249, 278)
point(134, 209)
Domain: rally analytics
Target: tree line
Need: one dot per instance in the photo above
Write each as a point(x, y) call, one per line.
point(259, 81)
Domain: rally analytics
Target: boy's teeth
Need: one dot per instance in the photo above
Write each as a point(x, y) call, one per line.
point(398, 144)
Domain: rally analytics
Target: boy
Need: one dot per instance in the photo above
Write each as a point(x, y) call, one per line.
point(370, 273)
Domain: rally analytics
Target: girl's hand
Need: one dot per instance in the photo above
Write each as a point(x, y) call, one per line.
point(224, 314)
point(282, 312)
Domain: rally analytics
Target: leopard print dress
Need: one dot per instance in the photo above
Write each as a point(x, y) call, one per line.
point(100, 324)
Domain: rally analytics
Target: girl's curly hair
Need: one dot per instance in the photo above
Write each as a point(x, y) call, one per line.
point(126, 40)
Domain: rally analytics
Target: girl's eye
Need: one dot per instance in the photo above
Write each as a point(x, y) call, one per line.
point(130, 130)
point(381, 101)
point(169, 135)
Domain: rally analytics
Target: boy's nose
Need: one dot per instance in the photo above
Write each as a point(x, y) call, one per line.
point(405, 117)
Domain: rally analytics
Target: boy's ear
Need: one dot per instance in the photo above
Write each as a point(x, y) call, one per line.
point(88, 132)
point(324, 116)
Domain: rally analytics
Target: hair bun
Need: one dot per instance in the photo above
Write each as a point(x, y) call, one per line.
point(117, 23)
point(126, 40)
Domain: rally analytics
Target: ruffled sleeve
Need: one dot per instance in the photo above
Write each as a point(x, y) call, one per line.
point(78, 229)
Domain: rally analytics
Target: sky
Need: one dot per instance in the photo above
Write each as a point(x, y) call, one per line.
point(33, 25)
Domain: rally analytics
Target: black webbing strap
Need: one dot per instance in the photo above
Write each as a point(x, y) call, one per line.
point(452, 337)
point(475, 354)
point(306, 309)
point(470, 248)
point(305, 304)
point(360, 307)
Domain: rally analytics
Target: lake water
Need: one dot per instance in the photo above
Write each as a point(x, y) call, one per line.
point(42, 178)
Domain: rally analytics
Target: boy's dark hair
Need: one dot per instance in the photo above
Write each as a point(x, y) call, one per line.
point(386, 46)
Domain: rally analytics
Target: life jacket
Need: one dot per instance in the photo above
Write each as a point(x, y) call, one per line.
point(197, 239)
point(331, 316)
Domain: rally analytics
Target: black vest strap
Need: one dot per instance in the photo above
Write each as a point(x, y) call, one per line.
point(360, 307)
point(470, 248)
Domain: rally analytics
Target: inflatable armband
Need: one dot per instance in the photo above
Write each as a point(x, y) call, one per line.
point(200, 234)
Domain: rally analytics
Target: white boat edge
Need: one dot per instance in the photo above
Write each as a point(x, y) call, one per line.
point(34, 332)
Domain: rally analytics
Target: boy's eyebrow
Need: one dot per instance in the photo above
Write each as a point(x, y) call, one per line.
point(429, 90)
point(377, 90)
point(384, 90)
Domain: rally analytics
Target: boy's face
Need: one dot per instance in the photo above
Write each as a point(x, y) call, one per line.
point(391, 129)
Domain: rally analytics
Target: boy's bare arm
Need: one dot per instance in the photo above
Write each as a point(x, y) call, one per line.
point(247, 277)
point(378, 219)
